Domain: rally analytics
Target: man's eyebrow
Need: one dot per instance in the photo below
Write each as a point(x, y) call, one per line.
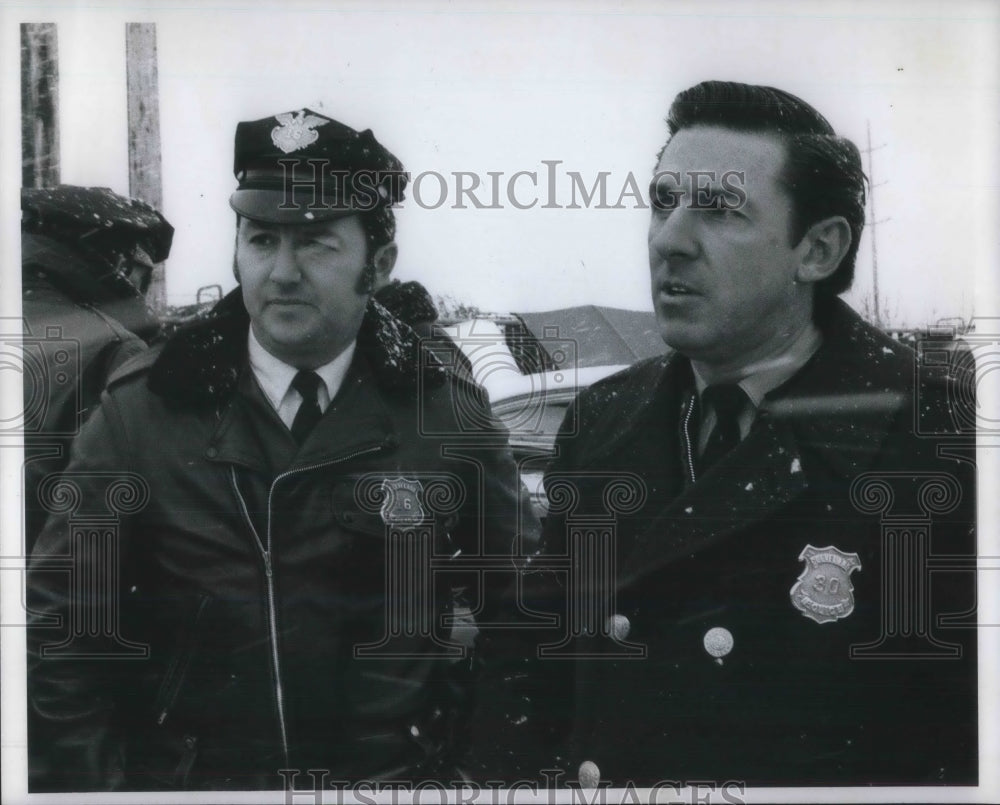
point(658, 183)
point(325, 232)
point(690, 179)
point(250, 223)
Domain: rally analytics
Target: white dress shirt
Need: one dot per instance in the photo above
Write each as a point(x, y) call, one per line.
point(275, 377)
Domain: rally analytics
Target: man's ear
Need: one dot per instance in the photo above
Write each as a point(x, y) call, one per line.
point(822, 248)
point(384, 261)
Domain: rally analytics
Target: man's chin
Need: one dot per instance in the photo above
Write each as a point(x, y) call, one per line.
point(285, 342)
point(684, 340)
point(289, 323)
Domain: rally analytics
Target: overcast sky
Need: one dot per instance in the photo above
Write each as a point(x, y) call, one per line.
point(506, 88)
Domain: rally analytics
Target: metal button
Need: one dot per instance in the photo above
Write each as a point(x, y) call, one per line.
point(618, 626)
point(588, 775)
point(718, 641)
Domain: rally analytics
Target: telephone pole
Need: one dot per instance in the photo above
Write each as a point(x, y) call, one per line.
point(39, 105)
point(872, 223)
point(144, 160)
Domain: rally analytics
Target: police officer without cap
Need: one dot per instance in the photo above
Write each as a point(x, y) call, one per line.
point(86, 256)
point(258, 563)
point(757, 625)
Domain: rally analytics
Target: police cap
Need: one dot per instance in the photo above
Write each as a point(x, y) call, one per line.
point(298, 167)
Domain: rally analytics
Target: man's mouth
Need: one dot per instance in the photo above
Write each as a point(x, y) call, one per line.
point(676, 289)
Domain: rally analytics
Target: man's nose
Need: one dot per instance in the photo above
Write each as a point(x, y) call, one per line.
point(286, 265)
point(673, 233)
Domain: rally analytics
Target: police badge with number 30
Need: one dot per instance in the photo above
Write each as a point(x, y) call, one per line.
point(824, 591)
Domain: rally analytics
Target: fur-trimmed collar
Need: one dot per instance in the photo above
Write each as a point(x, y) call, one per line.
point(201, 363)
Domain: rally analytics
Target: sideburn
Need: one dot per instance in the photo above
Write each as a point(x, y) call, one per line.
point(366, 281)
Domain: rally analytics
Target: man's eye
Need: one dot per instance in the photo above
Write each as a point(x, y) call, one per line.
point(664, 199)
point(719, 206)
point(263, 239)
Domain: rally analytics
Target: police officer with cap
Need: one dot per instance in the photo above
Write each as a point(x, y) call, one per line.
point(284, 455)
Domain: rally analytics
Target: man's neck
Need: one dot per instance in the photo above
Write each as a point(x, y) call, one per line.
point(777, 355)
point(274, 375)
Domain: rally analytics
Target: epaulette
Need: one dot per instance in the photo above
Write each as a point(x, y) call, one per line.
point(463, 384)
point(133, 367)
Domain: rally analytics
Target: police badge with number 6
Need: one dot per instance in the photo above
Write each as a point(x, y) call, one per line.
point(401, 504)
point(824, 591)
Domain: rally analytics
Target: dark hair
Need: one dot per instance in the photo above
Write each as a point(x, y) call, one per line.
point(379, 226)
point(822, 170)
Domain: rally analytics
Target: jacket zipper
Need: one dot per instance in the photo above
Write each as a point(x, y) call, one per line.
point(269, 573)
point(687, 439)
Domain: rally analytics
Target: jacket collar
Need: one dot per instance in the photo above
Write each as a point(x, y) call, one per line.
point(250, 434)
point(846, 396)
point(844, 401)
point(830, 420)
point(200, 365)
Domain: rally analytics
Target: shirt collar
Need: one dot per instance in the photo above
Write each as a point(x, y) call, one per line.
point(275, 376)
point(758, 379)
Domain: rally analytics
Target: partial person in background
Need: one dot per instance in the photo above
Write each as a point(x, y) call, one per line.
point(86, 258)
point(410, 303)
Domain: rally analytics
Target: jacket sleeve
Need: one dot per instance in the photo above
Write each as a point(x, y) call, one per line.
point(934, 686)
point(526, 715)
point(494, 521)
point(498, 521)
point(105, 346)
point(75, 652)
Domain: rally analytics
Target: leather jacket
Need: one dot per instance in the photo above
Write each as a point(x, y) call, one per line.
point(276, 607)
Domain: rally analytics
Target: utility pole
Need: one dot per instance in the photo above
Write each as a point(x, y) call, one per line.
point(39, 105)
point(144, 159)
point(872, 223)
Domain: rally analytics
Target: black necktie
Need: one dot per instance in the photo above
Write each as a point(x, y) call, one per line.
point(728, 401)
point(306, 384)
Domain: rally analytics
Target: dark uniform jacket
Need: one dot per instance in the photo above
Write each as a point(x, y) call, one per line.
point(74, 339)
point(800, 615)
point(263, 616)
